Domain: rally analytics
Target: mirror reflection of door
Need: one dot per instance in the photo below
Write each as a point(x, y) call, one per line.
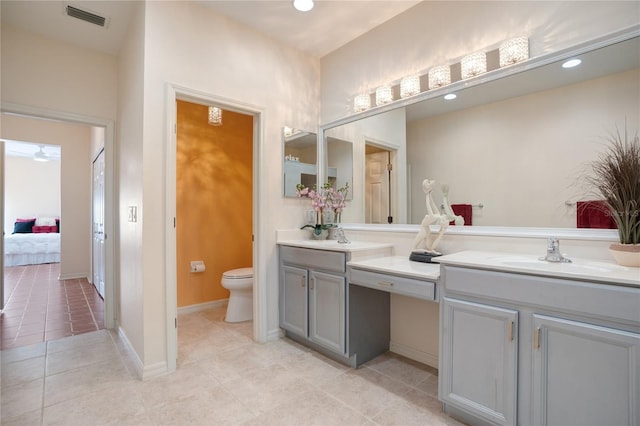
point(98, 224)
point(378, 175)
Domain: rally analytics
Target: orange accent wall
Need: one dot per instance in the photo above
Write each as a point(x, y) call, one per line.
point(214, 172)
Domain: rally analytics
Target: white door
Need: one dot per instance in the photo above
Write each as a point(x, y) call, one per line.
point(98, 224)
point(377, 187)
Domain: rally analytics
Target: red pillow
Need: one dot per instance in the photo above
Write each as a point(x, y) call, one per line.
point(44, 229)
point(26, 220)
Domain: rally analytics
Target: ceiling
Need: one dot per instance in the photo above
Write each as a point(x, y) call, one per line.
point(28, 149)
point(328, 26)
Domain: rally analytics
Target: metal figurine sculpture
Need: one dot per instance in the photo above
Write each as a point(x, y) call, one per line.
point(424, 245)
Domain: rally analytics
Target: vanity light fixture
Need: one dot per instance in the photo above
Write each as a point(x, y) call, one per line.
point(473, 64)
point(409, 86)
point(303, 5)
point(514, 50)
point(361, 103)
point(572, 63)
point(439, 76)
point(384, 95)
point(450, 96)
point(215, 116)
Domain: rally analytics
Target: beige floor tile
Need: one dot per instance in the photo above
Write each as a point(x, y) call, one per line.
point(366, 390)
point(75, 383)
point(22, 398)
point(187, 381)
point(22, 353)
point(401, 368)
point(81, 356)
point(117, 406)
point(26, 370)
point(310, 408)
point(31, 418)
point(314, 368)
point(262, 389)
point(212, 407)
point(78, 341)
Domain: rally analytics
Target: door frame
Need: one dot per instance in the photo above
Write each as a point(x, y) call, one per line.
point(111, 263)
point(174, 93)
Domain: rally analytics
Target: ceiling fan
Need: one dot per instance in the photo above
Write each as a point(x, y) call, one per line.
point(40, 155)
point(37, 152)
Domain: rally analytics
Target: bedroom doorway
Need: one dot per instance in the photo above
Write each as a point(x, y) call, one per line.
point(104, 316)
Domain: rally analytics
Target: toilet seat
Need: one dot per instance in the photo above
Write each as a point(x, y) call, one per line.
point(240, 273)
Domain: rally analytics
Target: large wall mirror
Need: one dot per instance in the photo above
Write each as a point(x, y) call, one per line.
point(300, 149)
point(514, 145)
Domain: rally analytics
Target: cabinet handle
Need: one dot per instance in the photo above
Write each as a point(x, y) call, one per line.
point(536, 338)
point(311, 283)
point(385, 283)
point(510, 331)
point(302, 280)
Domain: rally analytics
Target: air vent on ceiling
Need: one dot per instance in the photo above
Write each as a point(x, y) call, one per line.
point(83, 15)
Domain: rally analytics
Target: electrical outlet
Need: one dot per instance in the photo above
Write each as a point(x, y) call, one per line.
point(133, 214)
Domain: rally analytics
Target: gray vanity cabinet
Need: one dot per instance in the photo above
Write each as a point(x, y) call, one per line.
point(327, 310)
point(313, 296)
point(478, 371)
point(533, 350)
point(584, 374)
point(294, 300)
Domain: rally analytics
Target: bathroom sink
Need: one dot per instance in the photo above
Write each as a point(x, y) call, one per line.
point(577, 267)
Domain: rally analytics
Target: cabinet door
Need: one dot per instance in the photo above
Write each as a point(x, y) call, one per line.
point(584, 374)
point(294, 300)
point(327, 294)
point(478, 360)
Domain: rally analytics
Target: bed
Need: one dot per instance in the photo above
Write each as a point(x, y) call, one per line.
point(40, 245)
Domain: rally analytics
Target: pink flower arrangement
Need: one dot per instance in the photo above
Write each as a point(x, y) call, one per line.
point(325, 198)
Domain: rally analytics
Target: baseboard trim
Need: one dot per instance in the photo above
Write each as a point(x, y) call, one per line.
point(414, 354)
point(137, 362)
point(202, 306)
point(275, 334)
point(73, 277)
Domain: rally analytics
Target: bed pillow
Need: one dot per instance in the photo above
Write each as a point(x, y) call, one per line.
point(45, 221)
point(33, 219)
point(44, 229)
point(23, 227)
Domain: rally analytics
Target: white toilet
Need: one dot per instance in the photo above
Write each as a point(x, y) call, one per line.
point(239, 282)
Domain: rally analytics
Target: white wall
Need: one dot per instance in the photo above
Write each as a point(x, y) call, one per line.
point(32, 190)
point(434, 33)
point(74, 206)
point(241, 65)
point(56, 76)
point(523, 158)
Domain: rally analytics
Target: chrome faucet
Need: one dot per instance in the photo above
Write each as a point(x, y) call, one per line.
point(342, 239)
point(553, 251)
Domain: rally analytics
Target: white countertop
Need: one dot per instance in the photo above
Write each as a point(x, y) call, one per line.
point(579, 269)
point(333, 245)
point(399, 265)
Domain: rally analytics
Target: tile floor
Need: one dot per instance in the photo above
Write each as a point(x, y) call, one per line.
point(223, 378)
point(39, 307)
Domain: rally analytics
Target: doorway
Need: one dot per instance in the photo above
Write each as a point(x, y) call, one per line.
point(175, 94)
point(107, 127)
point(378, 184)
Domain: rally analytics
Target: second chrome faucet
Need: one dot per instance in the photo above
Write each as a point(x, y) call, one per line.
point(553, 251)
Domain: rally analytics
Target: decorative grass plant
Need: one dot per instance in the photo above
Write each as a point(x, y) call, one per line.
point(616, 177)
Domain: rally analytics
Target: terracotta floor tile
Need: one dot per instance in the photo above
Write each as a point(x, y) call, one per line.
point(35, 301)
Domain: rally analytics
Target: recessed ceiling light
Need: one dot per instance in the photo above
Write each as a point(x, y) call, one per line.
point(303, 5)
point(450, 96)
point(572, 63)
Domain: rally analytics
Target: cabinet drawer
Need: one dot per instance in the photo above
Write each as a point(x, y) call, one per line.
point(393, 284)
point(314, 259)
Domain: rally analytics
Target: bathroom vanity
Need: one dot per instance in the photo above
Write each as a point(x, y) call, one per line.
point(530, 342)
point(335, 297)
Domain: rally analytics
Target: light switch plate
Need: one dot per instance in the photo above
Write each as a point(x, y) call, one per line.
point(133, 214)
